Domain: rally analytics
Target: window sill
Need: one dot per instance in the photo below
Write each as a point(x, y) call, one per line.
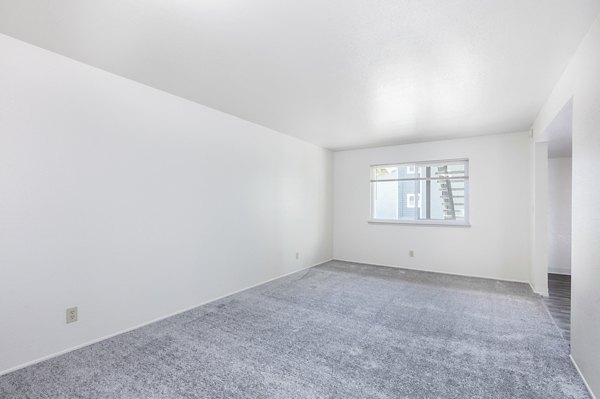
point(421, 223)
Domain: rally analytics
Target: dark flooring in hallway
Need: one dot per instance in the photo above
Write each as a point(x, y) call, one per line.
point(559, 302)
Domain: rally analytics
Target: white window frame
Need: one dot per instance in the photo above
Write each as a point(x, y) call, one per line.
point(463, 223)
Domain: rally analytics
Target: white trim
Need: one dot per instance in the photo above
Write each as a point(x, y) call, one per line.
point(417, 180)
point(455, 160)
point(566, 272)
point(420, 222)
point(542, 293)
point(94, 341)
point(467, 190)
point(582, 377)
point(435, 271)
point(420, 178)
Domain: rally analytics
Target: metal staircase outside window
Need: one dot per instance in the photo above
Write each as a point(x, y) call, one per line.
point(451, 194)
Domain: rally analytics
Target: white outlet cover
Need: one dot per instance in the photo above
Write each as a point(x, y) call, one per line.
point(71, 314)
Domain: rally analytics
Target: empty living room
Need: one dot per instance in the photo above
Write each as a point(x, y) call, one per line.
point(389, 199)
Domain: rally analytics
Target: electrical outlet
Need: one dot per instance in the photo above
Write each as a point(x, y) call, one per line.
point(72, 315)
point(411, 253)
point(297, 255)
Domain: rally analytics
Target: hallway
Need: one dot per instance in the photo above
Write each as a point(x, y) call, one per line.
point(559, 302)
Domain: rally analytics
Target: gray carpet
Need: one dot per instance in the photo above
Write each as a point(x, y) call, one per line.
point(338, 330)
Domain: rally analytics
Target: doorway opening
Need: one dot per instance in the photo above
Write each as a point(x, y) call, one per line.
point(559, 136)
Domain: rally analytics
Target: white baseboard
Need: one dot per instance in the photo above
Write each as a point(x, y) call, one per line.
point(436, 271)
point(542, 293)
point(566, 272)
point(582, 377)
point(88, 343)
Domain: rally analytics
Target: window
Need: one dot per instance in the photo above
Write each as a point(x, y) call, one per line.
point(433, 192)
point(410, 199)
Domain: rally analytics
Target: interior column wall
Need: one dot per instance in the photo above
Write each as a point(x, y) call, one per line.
point(580, 82)
point(539, 218)
point(559, 215)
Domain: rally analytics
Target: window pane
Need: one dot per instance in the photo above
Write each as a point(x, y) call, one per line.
point(385, 200)
point(393, 172)
point(385, 173)
point(442, 170)
point(423, 191)
point(408, 206)
point(451, 170)
point(407, 171)
point(447, 199)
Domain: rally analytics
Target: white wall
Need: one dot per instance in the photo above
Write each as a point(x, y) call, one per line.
point(133, 204)
point(559, 215)
point(581, 82)
point(495, 246)
point(538, 275)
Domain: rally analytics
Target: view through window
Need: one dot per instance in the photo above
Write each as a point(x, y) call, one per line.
point(420, 192)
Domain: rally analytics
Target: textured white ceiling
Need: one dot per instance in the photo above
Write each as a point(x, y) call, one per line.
point(338, 73)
